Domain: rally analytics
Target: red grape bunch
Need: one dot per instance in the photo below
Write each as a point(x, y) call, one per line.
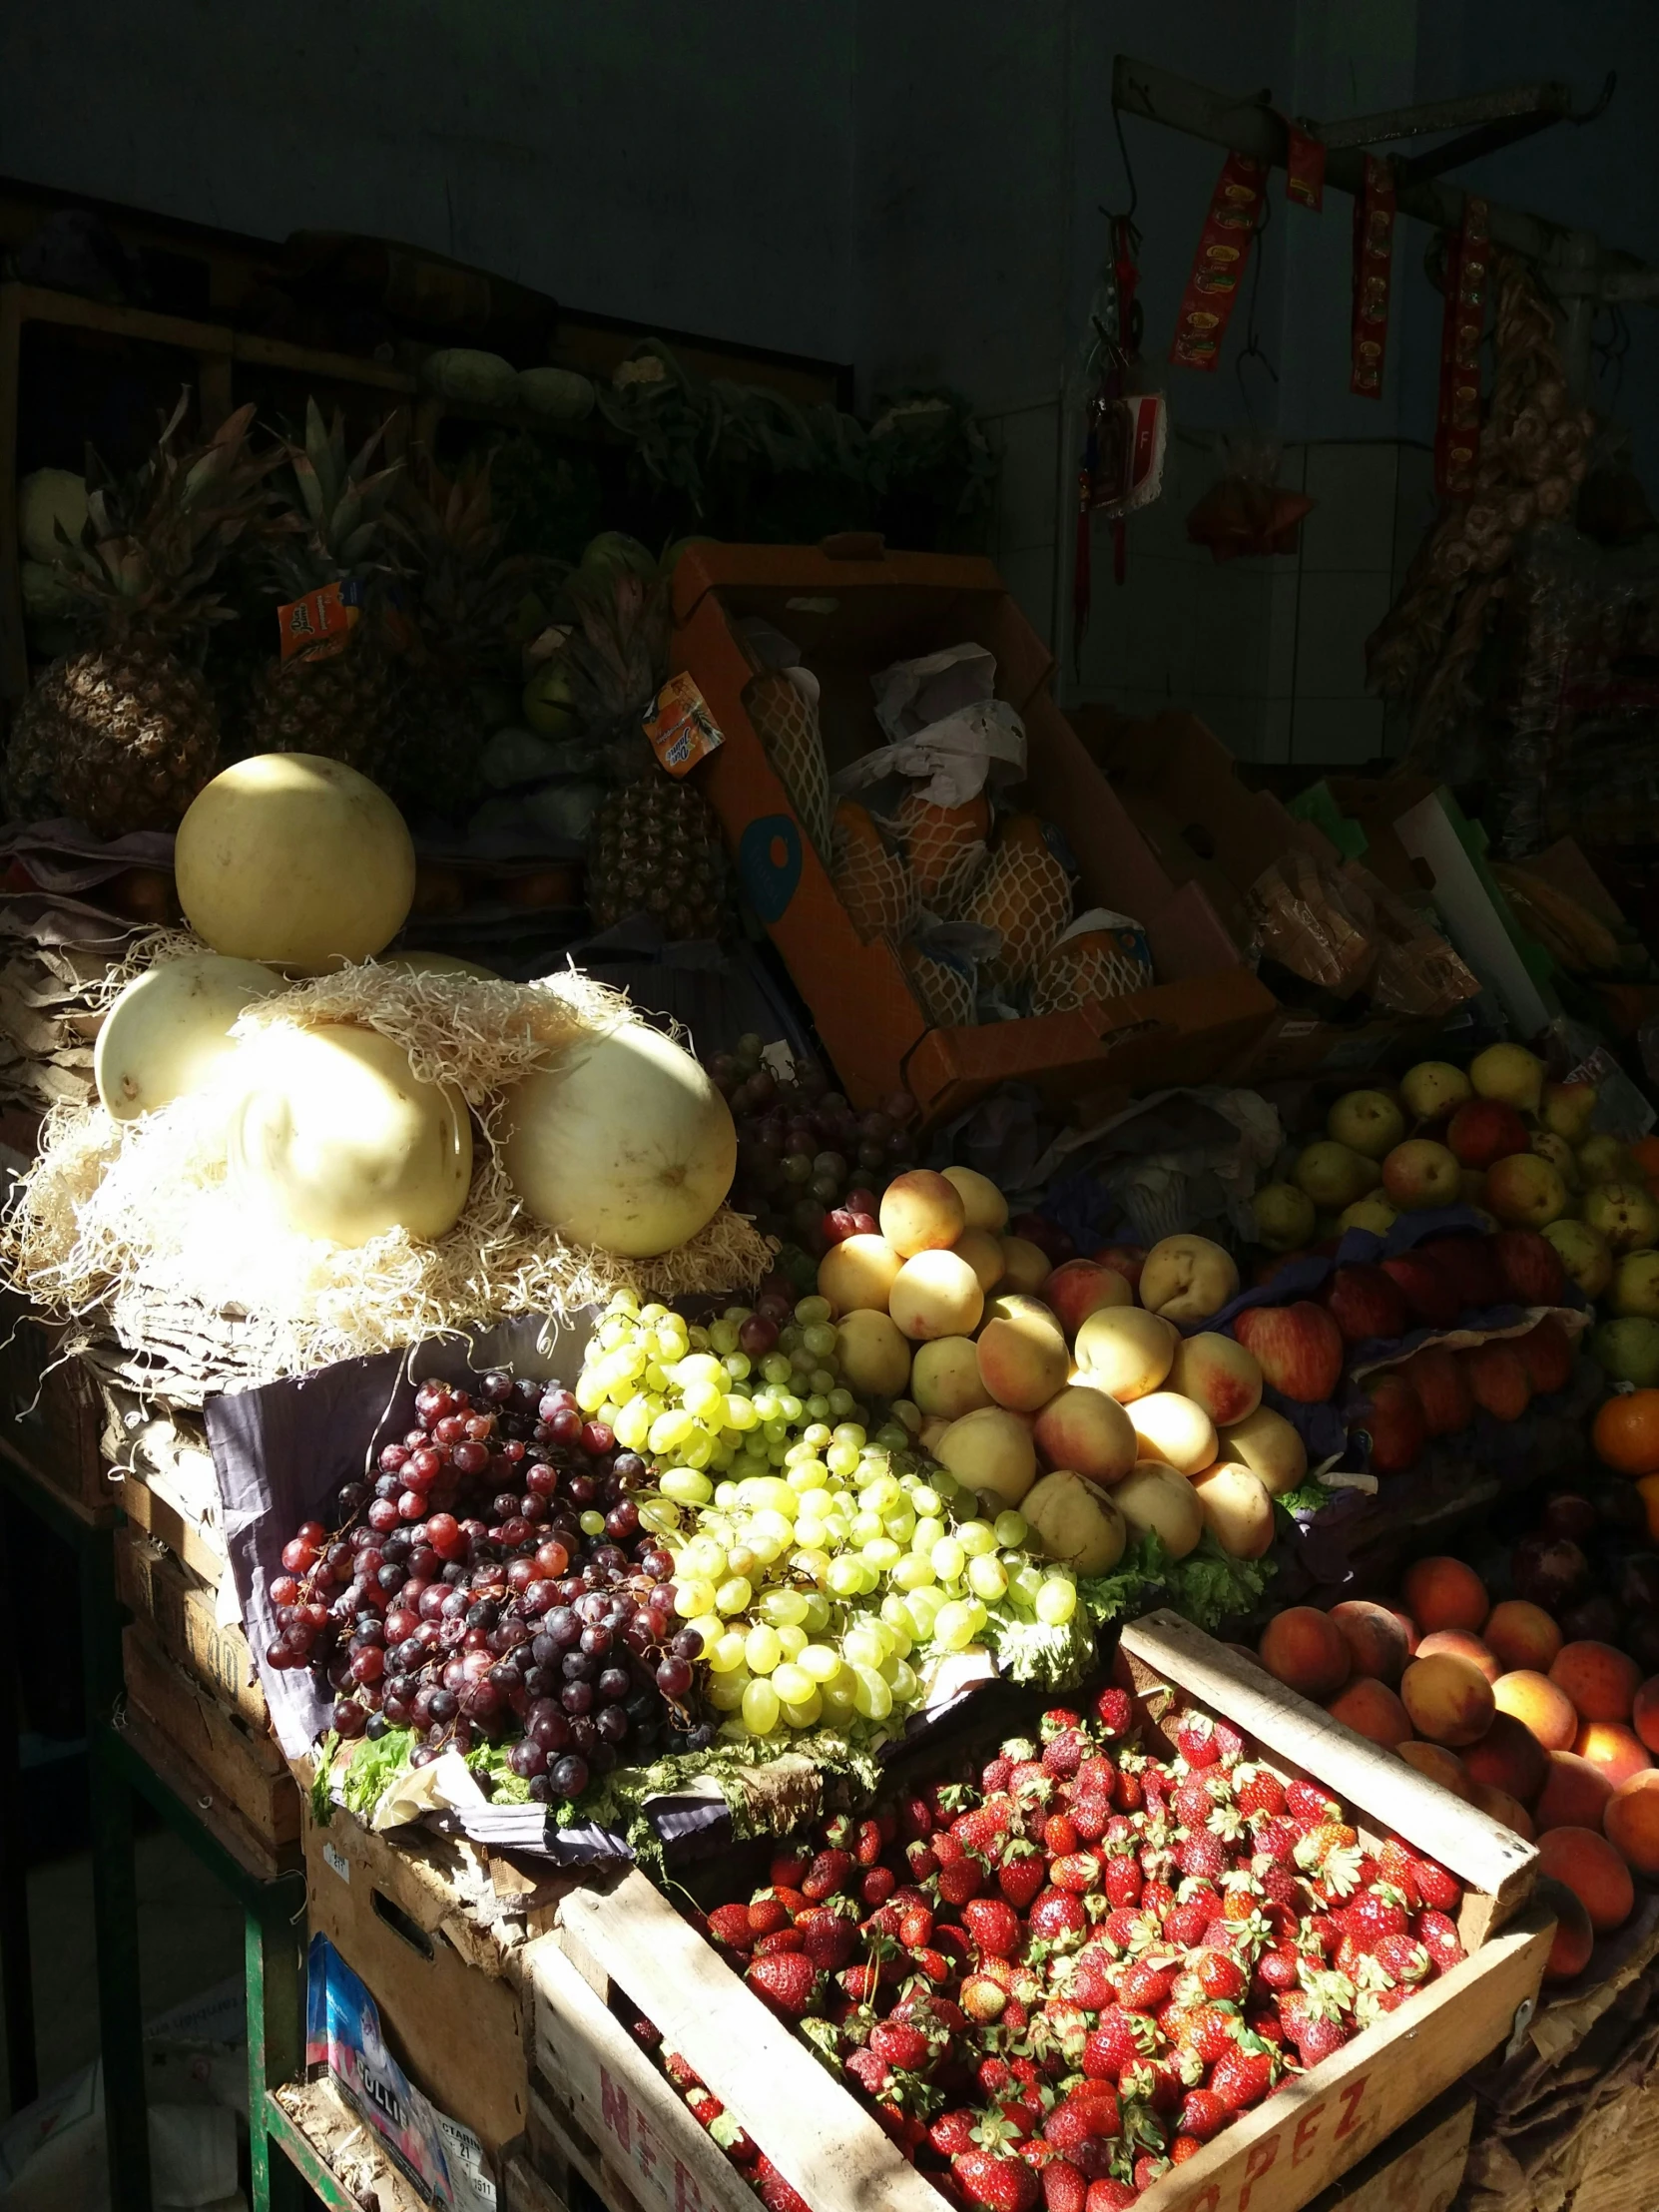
point(492, 1583)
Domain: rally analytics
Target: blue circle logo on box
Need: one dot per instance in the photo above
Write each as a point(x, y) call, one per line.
point(769, 862)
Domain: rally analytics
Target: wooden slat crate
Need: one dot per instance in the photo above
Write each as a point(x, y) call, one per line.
point(603, 2106)
point(180, 1614)
point(1418, 2169)
point(233, 1773)
point(51, 1416)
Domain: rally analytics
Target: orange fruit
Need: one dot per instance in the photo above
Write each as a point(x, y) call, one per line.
point(1645, 1153)
point(1648, 1486)
point(1626, 1432)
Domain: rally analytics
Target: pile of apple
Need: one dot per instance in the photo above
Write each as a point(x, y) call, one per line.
point(1068, 1393)
point(1500, 1138)
point(1554, 1738)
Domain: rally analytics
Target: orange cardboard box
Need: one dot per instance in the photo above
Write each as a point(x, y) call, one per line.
point(852, 609)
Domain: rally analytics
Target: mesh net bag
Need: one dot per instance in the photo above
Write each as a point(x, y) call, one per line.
point(945, 847)
point(1097, 963)
point(1025, 895)
point(871, 878)
point(786, 725)
point(944, 988)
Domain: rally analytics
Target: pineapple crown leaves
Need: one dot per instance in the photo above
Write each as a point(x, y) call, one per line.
point(469, 593)
point(338, 523)
point(153, 541)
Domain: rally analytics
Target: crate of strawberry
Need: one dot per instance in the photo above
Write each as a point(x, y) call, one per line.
point(1194, 1946)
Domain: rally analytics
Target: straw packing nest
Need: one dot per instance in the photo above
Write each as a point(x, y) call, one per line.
point(137, 1225)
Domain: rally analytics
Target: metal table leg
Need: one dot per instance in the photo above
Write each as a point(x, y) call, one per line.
point(16, 1974)
point(275, 1972)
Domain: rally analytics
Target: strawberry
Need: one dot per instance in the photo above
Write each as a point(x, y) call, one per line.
point(1258, 1790)
point(1192, 1802)
point(1439, 1937)
point(993, 1776)
point(767, 1913)
point(876, 1885)
point(1319, 2038)
point(729, 1925)
point(963, 1879)
point(999, 2184)
point(1089, 1815)
point(1122, 2039)
point(1030, 1783)
point(1309, 1805)
point(904, 2044)
point(869, 2072)
point(1096, 1777)
point(1209, 2029)
point(776, 2193)
point(866, 1844)
point(1195, 1740)
point(1109, 2195)
point(1064, 1752)
point(1122, 1877)
point(933, 1963)
point(1329, 1856)
point(1057, 1918)
point(1276, 1968)
point(1149, 2167)
point(1403, 1959)
point(827, 1938)
point(859, 1983)
point(1059, 1834)
point(1019, 1873)
point(922, 1860)
point(1186, 1924)
point(982, 2000)
point(681, 2071)
point(788, 1980)
point(1371, 2006)
point(916, 1818)
point(781, 1940)
point(983, 1829)
point(1202, 1855)
point(1077, 1871)
point(1078, 2121)
point(953, 2133)
point(1396, 1866)
point(1202, 2112)
point(1218, 1975)
point(1374, 1914)
point(915, 1926)
point(1064, 2187)
point(827, 1873)
point(1130, 1794)
point(1243, 2075)
point(789, 1869)
point(992, 1926)
point(1436, 1887)
point(1145, 1984)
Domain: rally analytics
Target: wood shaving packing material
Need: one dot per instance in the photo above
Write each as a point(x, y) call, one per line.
point(136, 1224)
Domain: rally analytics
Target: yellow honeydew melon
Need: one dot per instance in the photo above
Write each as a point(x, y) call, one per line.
point(626, 1144)
point(169, 1032)
point(294, 859)
point(332, 1135)
point(438, 963)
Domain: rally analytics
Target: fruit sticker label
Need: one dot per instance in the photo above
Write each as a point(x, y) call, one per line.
point(680, 727)
point(1219, 263)
point(318, 627)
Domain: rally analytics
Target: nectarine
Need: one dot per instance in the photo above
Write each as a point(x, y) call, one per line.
point(1539, 1706)
point(1438, 1764)
point(1441, 1592)
point(1461, 1645)
point(1522, 1635)
point(1593, 1870)
point(1630, 1822)
point(1644, 1714)
point(1612, 1750)
point(1370, 1709)
point(1498, 1804)
point(1449, 1701)
point(1573, 1794)
point(1575, 1939)
point(1306, 1650)
point(1601, 1682)
point(1509, 1758)
point(922, 1212)
point(1376, 1639)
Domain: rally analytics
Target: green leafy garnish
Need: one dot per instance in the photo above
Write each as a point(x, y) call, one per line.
point(1307, 1500)
point(375, 1766)
point(1030, 1650)
point(1209, 1586)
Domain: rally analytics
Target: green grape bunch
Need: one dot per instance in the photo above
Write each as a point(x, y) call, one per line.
point(826, 1570)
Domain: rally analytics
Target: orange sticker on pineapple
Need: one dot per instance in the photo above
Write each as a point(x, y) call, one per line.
point(680, 727)
point(317, 627)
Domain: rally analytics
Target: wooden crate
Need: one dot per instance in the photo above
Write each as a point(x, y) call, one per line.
point(51, 1416)
point(1418, 2169)
point(233, 1773)
point(179, 1611)
point(600, 2103)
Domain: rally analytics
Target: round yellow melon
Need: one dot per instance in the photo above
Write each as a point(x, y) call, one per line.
point(170, 1030)
point(438, 963)
point(296, 860)
point(332, 1135)
point(626, 1144)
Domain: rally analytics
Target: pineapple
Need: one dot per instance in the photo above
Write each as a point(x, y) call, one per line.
point(348, 706)
point(467, 600)
point(124, 734)
point(653, 846)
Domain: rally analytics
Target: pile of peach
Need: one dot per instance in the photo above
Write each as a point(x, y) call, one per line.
point(1553, 1739)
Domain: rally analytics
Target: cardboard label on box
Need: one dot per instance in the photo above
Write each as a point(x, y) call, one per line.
point(680, 727)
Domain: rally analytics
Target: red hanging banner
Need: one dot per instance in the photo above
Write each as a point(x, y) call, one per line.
point(1457, 425)
point(1303, 168)
point(1373, 255)
point(1219, 264)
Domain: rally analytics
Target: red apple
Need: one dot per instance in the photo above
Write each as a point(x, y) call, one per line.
point(1396, 1424)
point(1046, 1235)
point(1467, 1260)
point(1529, 1265)
point(1299, 1348)
point(1546, 1353)
point(1078, 1287)
point(1443, 1389)
point(1497, 1376)
point(1483, 1130)
point(1364, 1301)
point(1124, 1260)
point(1428, 1292)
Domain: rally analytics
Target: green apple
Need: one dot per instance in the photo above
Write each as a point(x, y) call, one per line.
point(1629, 1350)
point(1568, 1108)
point(1333, 1175)
point(1625, 1214)
point(1510, 1073)
point(1283, 1216)
point(1434, 1089)
point(1368, 1122)
point(1373, 1213)
point(1606, 1160)
point(1584, 1253)
point(548, 704)
point(1635, 1286)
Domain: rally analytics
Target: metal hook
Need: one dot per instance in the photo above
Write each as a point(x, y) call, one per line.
point(1598, 106)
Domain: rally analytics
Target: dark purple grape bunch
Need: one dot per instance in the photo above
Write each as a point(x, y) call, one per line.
point(811, 1167)
point(491, 1583)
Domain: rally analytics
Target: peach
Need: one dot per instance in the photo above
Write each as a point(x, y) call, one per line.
point(1498, 1804)
point(1441, 1592)
point(1188, 1277)
point(1269, 1446)
point(1026, 1267)
point(1079, 1288)
point(875, 1357)
point(1218, 1373)
point(1601, 1682)
point(1573, 1794)
point(1237, 1509)
point(1461, 1645)
point(1535, 1701)
point(1376, 1639)
point(1155, 1500)
point(984, 1254)
point(1575, 1939)
point(1024, 1360)
point(944, 1378)
point(922, 1212)
point(1522, 1635)
point(1175, 1431)
point(857, 1273)
point(1449, 1701)
point(1438, 1765)
point(1126, 1259)
point(1088, 1433)
point(1126, 1352)
point(935, 1293)
point(1593, 1870)
point(984, 1204)
point(1306, 1650)
point(1630, 1822)
point(990, 1451)
point(1644, 1714)
point(1509, 1758)
point(1613, 1751)
point(1370, 1709)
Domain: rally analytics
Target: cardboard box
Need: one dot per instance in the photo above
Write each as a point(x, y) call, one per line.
point(852, 617)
